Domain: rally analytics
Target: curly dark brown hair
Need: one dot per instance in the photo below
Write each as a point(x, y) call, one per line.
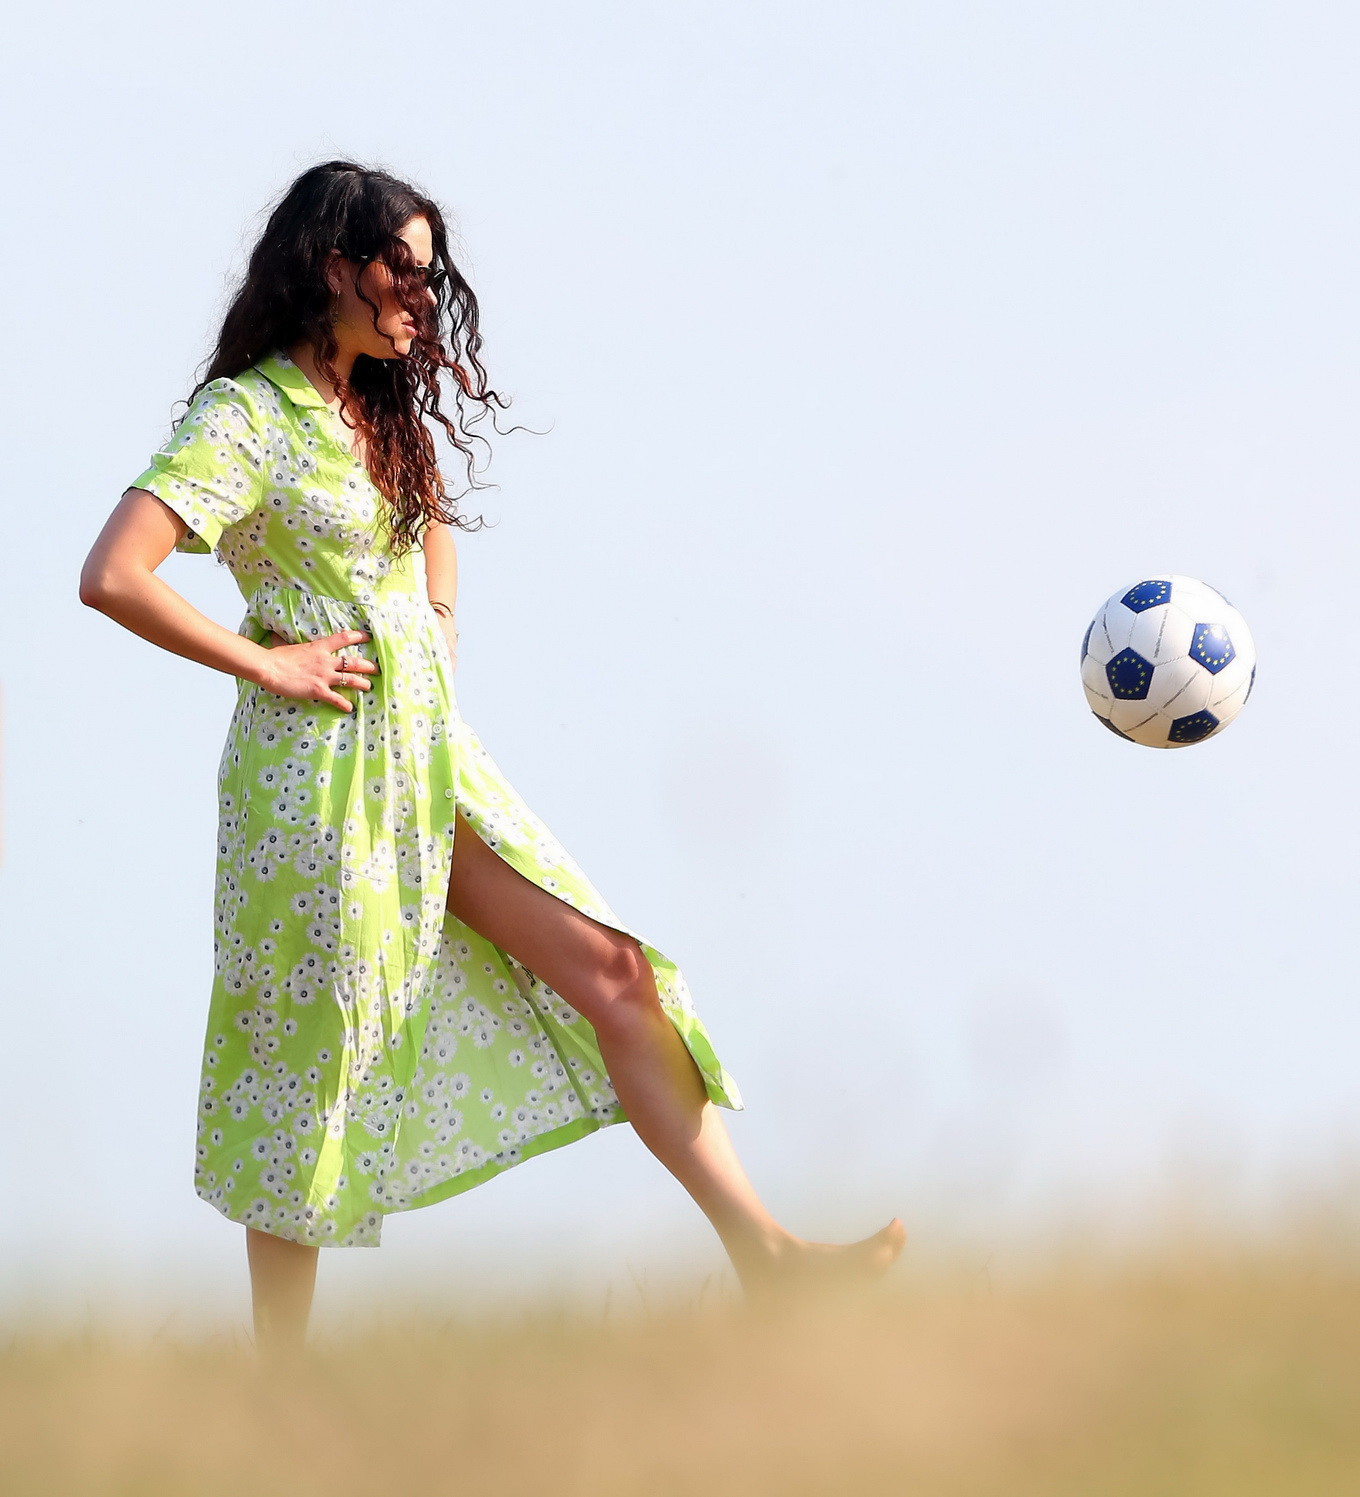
point(283, 299)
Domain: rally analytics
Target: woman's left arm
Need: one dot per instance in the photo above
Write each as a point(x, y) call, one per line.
point(441, 580)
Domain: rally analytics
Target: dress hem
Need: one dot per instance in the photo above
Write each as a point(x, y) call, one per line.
point(541, 1143)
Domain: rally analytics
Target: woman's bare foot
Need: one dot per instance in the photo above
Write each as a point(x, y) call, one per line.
point(778, 1266)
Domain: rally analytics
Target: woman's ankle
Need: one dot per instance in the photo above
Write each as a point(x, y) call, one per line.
point(753, 1246)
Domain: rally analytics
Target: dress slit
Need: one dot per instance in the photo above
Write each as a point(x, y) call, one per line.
point(529, 983)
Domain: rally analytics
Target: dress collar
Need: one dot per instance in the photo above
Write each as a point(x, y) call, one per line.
point(280, 370)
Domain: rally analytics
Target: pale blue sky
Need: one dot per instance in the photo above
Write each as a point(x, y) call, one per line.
point(878, 344)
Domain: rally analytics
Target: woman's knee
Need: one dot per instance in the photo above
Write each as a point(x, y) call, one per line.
point(623, 981)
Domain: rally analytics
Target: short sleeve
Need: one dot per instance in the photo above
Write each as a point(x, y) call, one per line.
point(211, 471)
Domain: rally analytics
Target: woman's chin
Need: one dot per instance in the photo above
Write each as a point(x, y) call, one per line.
point(396, 346)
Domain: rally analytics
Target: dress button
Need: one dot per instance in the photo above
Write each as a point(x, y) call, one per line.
point(448, 795)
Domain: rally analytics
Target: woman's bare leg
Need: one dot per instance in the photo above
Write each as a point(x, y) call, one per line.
point(604, 975)
point(282, 1278)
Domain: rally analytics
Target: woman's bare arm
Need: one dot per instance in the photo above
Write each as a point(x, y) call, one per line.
point(441, 580)
point(119, 579)
point(441, 566)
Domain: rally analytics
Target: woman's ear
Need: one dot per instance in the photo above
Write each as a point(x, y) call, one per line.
point(335, 272)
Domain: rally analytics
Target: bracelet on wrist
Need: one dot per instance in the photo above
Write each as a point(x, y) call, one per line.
point(444, 612)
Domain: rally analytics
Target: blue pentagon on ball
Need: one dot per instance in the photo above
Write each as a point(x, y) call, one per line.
point(1191, 729)
point(1086, 642)
point(1212, 647)
point(1129, 676)
point(1146, 595)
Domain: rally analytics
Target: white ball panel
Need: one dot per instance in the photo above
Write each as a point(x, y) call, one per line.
point(1151, 732)
point(1204, 603)
point(1228, 696)
point(1097, 646)
point(1162, 633)
point(1114, 624)
point(1096, 686)
point(1179, 688)
point(1146, 632)
point(1128, 717)
point(1233, 678)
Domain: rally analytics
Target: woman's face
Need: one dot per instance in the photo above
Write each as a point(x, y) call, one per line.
point(392, 332)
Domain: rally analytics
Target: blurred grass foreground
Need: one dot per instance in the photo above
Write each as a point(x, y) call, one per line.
point(1185, 1368)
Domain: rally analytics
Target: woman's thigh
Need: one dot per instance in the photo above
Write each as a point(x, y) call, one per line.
point(590, 965)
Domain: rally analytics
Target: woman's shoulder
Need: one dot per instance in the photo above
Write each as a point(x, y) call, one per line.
point(247, 396)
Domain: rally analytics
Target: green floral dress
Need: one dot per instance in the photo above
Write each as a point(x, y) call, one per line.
point(366, 1051)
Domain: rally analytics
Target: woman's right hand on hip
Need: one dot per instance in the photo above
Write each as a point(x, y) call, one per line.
point(311, 671)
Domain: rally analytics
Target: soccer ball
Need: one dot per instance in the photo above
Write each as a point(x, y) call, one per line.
point(1168, 662)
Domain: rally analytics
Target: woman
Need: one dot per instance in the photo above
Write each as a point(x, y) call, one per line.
point(415, 986)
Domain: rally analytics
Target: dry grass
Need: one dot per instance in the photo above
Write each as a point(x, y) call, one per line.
point(1185, 1372)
